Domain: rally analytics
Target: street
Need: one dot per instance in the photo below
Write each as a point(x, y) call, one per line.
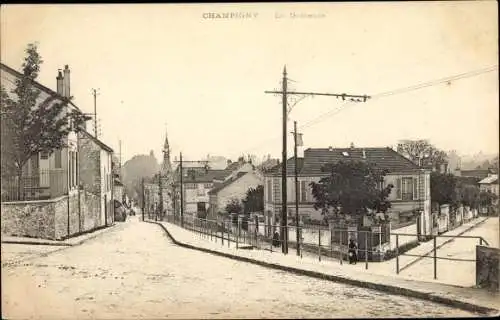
point(135, 271)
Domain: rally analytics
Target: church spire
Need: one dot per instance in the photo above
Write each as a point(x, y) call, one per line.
point(166, 154)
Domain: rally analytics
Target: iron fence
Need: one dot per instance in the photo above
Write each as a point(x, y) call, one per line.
point(43, 184)
point(372, 246)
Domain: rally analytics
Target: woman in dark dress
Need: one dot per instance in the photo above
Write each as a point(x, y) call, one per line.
point(353, 256)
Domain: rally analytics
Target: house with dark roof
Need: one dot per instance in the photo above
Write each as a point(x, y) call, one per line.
point(490, 184)
point(196, 183)
point(71, 186)
point(411, 183)
point(235, 187)
point(475, 173)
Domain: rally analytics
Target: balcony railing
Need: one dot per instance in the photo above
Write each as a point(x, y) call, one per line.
point(41, 185)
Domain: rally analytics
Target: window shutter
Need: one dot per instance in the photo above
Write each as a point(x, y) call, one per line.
point(398, 188)
point(415, 188)
point(303, 191)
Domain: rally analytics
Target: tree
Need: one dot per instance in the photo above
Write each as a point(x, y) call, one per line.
point(443, 188)
point(421, 152)
point(468, 195)
point(353, 187)
point(486, 198)
point(254, 200)
point(234, 206)
point(30, 127)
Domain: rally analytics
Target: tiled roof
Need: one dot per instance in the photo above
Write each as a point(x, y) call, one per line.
point(36, 84)
point(478, 173)
point(202, 176)
point(382, 158)
point(233, 166)
point(97, 141)
point(221, 186)
point(315, 159)
point(490, 180)
point(290, 167)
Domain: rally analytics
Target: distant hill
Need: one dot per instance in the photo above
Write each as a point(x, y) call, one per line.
point(138, 167)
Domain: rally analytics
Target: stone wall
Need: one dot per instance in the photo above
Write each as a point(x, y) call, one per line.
point(89, 159)
point(90, 211)
point(487, 267)
point(48, 219)
point(30, 218)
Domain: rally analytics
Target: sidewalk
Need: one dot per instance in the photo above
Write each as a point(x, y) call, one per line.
point(73, 241)
point(379, 278)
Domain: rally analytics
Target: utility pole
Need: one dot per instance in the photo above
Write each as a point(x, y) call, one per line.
point(143, 199)
point(120, 147)
point(284, 207)
point(160, 194)
point(285, 94)
point(182, 193)
point(95, 93)
point(296, 188)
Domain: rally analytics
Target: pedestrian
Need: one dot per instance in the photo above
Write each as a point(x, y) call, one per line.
point(353, 256)
point(276, 239)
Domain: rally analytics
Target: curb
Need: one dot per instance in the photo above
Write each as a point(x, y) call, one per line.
point(63, 243)
point(440, 246)
point(358, 283)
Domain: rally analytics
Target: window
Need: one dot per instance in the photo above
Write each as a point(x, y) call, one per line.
point(303, 191)
point(269, 190)
point(201, 191)
point(70, 169)
point(208, 185)
point(44, 155)
point(407, 188)
point(73, 173)
point(34, 163)
point(77, 173)
point(57, 159)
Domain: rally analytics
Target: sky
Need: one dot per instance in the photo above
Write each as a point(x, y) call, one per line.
point(177, 68)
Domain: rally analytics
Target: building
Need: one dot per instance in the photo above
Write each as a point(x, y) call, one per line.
point(96, 175)
point(475, 173)
point(411, 191)
point(198, 179)
point(490, 184)
point(196, 184)
point(235, 187)
point(63, 193)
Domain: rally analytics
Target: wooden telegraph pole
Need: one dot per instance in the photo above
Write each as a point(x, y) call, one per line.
point(285, 94)
point(296, 142)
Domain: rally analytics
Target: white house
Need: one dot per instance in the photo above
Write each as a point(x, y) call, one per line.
point(234, 188)
point(490, 184)
point(411, 190)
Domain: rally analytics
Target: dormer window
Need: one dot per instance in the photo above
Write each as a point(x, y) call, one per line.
point(345, 153)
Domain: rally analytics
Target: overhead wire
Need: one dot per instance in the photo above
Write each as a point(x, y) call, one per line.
point(402, 90)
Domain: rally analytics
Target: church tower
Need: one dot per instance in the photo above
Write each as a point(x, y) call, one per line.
point(166, 176)
point(166, 167)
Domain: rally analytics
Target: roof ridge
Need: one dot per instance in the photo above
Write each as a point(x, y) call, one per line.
point(39, 85)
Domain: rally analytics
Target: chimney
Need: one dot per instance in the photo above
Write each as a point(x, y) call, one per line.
point(59, 79)
point(330, 148)
point(66, 86)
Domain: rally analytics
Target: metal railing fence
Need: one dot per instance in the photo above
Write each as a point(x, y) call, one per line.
point(320, 241)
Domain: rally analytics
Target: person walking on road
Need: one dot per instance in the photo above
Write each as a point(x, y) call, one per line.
point(353, 256)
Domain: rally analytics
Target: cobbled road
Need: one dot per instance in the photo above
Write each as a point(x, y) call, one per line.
point(134, 271)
